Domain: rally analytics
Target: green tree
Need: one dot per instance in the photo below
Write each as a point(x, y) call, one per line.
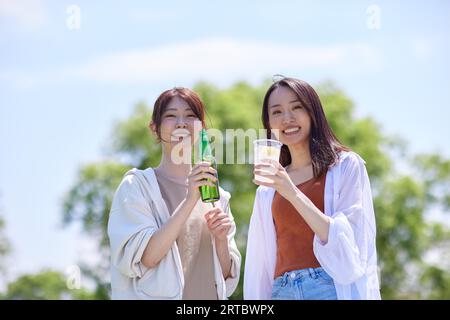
point(401, 202)
point(45, 285)
point(5, 246)
point(89, 202)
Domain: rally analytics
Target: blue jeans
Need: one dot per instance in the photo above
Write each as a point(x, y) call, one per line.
point(304, 284)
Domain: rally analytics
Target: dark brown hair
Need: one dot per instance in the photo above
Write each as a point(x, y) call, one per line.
point(191, 98)
point(324, 146)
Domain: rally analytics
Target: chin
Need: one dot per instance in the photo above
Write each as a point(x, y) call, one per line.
point(293, 141)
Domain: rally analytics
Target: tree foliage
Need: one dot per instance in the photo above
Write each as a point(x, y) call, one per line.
point(45, 285)
point(5, 245)
point(401, 202)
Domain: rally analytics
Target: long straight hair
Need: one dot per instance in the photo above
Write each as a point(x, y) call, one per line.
point(324, 146)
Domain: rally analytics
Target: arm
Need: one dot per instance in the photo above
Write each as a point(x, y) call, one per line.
point(163, 239)
point(317, 221)
point(223, 252)
point(351, 237)
point(130, 226)
point(223, 229)
point(219, 224)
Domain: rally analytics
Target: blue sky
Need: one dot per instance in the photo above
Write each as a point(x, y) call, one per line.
point(61, 89)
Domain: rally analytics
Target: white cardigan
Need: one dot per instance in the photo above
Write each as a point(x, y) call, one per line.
point(349, 256)
point(137, 211)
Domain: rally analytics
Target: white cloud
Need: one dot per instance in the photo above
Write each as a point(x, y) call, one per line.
point(223, 61)
point(27, 15)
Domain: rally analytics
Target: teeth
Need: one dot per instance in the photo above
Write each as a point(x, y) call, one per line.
point(290, 130)
point(180, 133)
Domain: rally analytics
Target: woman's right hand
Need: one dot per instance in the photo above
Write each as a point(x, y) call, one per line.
point(199, 176)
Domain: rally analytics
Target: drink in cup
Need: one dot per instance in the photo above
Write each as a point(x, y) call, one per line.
point(264, 150)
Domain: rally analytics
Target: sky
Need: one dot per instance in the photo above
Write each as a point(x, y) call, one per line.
point(70, 70)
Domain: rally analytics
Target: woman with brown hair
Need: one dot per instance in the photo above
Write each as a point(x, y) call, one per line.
point(312, 231)
point(165, 242)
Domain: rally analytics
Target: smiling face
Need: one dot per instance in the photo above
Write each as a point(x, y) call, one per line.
point(287, 114)
point(177, 122)
point(177, 113)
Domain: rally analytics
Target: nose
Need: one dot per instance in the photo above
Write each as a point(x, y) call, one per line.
point(287, 117)
point(181, 123)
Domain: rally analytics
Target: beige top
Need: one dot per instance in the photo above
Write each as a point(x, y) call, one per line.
point(194, 243)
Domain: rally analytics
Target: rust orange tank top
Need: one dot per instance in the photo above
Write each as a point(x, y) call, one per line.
point(294, 236)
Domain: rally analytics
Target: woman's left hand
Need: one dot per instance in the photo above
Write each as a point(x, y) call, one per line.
point(282, 183)
point(219, 223)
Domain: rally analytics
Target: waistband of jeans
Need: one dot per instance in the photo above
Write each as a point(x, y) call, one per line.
point(302, 273)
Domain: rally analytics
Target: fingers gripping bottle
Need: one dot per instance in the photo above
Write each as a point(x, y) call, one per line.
point(208, 193)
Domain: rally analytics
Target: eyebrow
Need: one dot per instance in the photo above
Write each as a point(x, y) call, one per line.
point(279, 105)
point(174, 109)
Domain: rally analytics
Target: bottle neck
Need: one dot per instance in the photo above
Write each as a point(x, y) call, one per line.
point(205, 146)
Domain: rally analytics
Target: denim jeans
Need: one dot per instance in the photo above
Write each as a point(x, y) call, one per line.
point(304, 284)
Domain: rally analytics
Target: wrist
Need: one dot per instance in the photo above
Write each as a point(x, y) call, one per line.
point(221, 242)
point(293, 194)
point(193, 194)
point(190, 201)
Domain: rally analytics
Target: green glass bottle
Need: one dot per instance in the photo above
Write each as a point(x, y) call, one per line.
point(208, 193)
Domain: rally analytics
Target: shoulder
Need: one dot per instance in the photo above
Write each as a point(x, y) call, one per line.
point(132, 176)
point(134, 179)
point(349, 160)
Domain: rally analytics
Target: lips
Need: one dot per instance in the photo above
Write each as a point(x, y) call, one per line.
point(291, 131)
point(180, 134)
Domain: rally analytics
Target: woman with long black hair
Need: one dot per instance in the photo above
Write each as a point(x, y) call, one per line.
point(312, 231)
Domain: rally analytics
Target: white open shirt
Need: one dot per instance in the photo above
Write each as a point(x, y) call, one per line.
point(349, 256)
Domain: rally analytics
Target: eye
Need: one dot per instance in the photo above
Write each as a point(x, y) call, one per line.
point(298, 107)
point(192, 116)
point(169, 116)
point(276, 112)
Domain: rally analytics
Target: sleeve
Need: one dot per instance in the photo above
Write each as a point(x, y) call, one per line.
point(257, 281)
point(232, 281)
point(344, 256)
point(131, 225)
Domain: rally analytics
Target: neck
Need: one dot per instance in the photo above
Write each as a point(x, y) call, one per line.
point(300, 156)
point(171, 169)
